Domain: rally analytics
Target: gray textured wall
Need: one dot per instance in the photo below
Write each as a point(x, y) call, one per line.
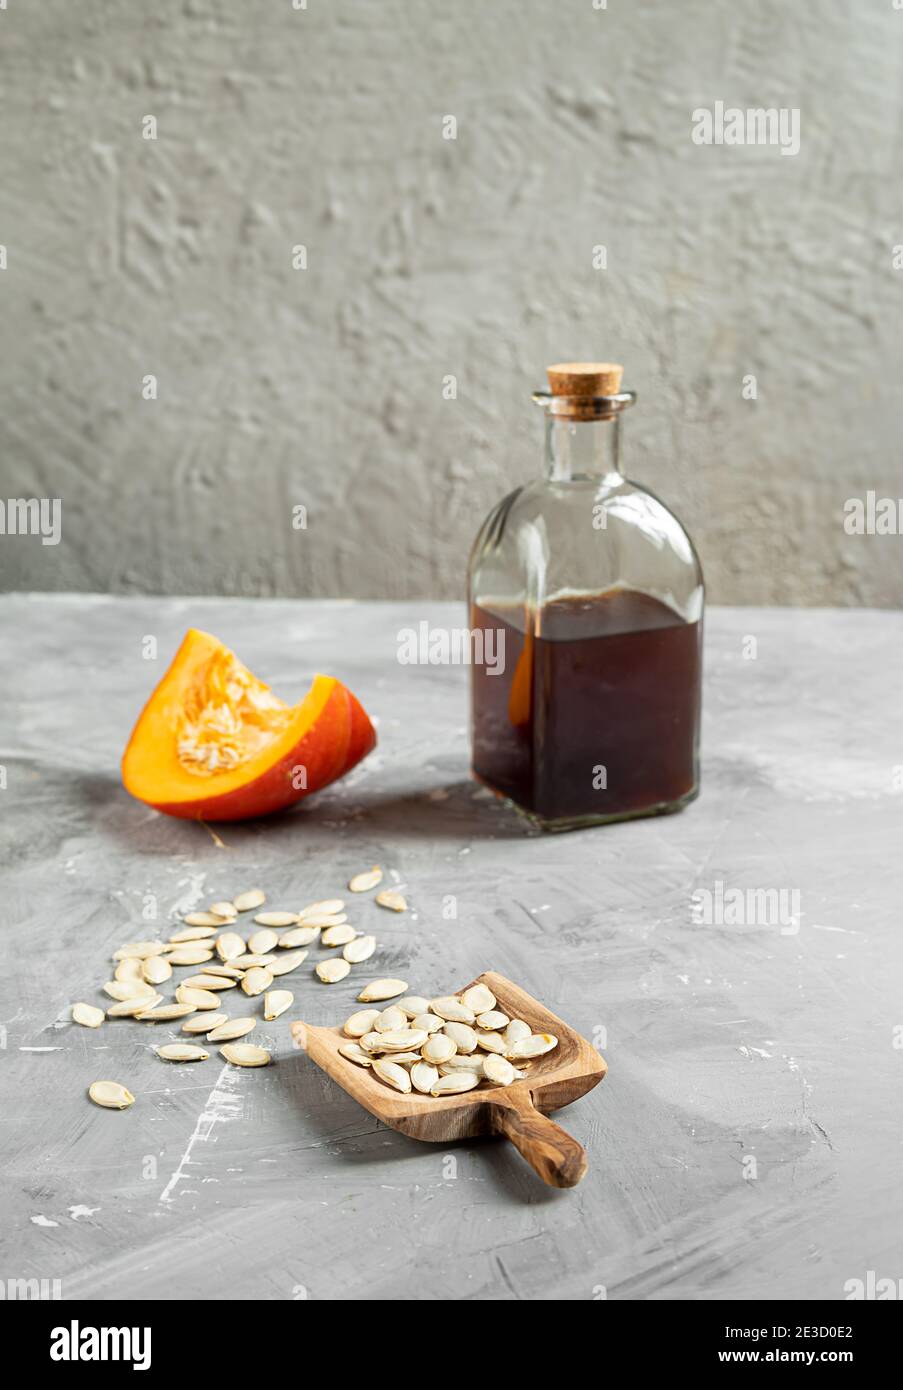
point(428, 257)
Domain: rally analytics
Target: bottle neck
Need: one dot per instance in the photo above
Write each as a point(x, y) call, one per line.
point(583, 448)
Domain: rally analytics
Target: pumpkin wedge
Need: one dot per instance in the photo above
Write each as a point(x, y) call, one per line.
point(214, 743)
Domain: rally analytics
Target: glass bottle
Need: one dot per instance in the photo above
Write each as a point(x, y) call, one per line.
point(586, 604)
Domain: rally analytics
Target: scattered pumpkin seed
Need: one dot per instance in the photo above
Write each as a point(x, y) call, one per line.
point(275, 1002)
point(246, 902)
point(362, 883)
point(166, 1013)
point(390, 1072)
point(205, 981)
point(438, 1048)
point(462, 1035)
point(209, 919)
point(498, 1070)
point(333, 970)
point(129, 989)
point(355, 1053)
point(534, 1046)
point(452, 1010)
point(412, 1004)
point(453, 1082)
point(229, 945)
point(128, 1008)
point(260, 942)
point(180, 938)
point(226, 972)
point(276, 919)
point(156, 969)
point(360, 1023)
point(248, 961)
point(245, 1055)
point(290, 961)
point(430, 1023)
point(132, 968)
point(140, 950)
point(190, 955)
point(326, 907)
point(338, 936)
point(88, 1015)
point(473, 1062)
point(203, 1023)
point(299, 936)
point(360, 949)
point(181, 1052)
point(478, 998)
point(404, 1040)
point(516, 1031)
point(492, 1042)
point(257, 980)
point(198, 998)
point(395, 902)
point(423, 1077)
point(493, 1019)
point(234, 1028)
point(328, 919)
point(111, 1095)
point(372, 1042)
point(390, 1018)
point(381, 989)
point(224, 909)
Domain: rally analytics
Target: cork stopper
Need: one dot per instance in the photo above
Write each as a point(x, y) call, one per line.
point(578, 389)
point(585, 378)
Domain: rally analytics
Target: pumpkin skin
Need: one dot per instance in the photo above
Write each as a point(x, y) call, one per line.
point(311, 744)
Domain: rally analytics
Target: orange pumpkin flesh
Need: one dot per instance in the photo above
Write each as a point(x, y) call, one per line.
point(214, 743)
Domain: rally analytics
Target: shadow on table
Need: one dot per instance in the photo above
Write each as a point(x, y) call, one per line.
point(459, 811)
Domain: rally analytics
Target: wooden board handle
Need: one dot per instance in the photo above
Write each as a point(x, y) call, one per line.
point(550, 1151)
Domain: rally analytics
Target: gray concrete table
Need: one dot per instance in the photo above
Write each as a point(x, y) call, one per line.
point(746, 1143)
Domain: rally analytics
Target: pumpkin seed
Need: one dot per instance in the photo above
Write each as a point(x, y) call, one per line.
point(129, 989)
point(275, 1002)
point(463, 1036)
point(438, 1048)
point(390, 1018)
point(430, 1023)
point(492, 1042)
point(190, 955)
point(362, 883)
point(140, 949)
point(165, 1013)
point(333, 970)
point(156, 969)
point(535, 1046)
point(205, 981)
point(276, 919)
point(234, 1028)
point(472, 1063)
point(257, 980)
point(206, 919)
point(203, 1023)
point(179, 938)
point(360, 1023)
point(390, 1072)
point(404, 1040)
point(453, 1082)
point(406, 1059)
point(414, 1005)
point(87, 1015)
point(355, 1053)
point(478, 998)
point(132, 968)
point(290, 961)
point(452, 1010)
point(395, 902)
point(327, 907)
point(498, 1070)
point(181, 1052)
point(338, 936)
point(381, 989)
point(229, 945)
point(224, 909)
point(330, 919)
point(198, 998)
point(360, 949)
point(423, 1077)
point(246, 962)
point(110, 1095)
point(128, 1008)
point(261, 942)
point(300, 936)
point(225, 972)
point(493, 1019)
point(372, 1042)
point(246, 902)
point(245, 1055)
point(516, 1031)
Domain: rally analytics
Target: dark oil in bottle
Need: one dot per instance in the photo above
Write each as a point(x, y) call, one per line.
point(595, 715)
